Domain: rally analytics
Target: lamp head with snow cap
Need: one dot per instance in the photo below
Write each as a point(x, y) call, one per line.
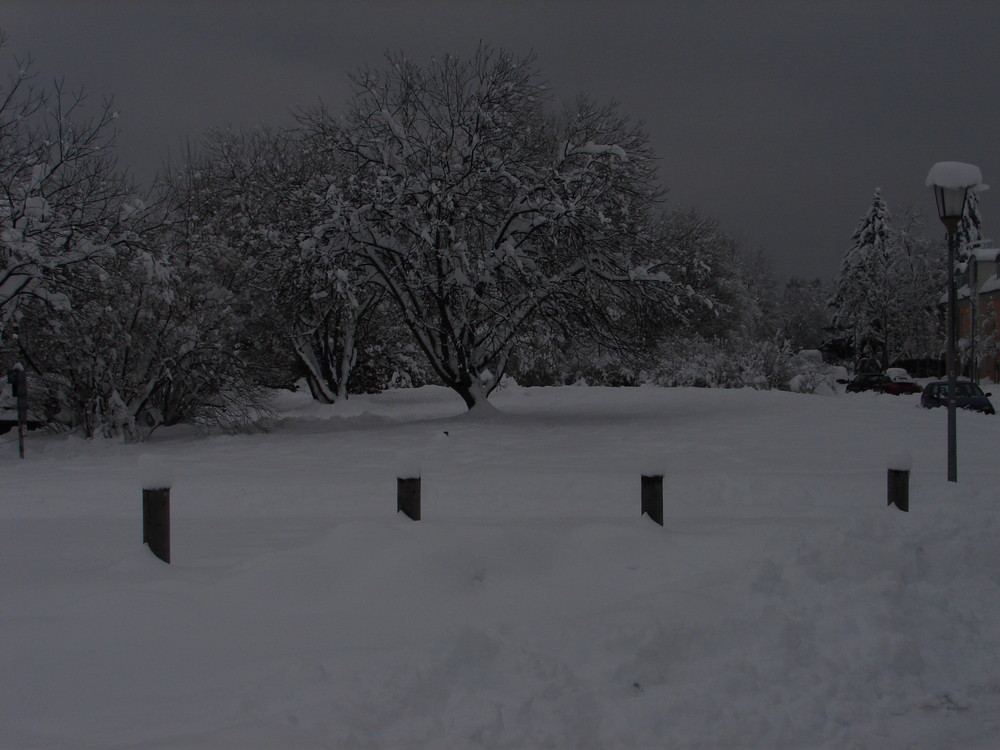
point(952, 181)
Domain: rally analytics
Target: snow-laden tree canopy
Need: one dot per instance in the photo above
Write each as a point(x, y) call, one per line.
point(884, 296)
point(864, 297)
point(480, 210)
point(62, 200)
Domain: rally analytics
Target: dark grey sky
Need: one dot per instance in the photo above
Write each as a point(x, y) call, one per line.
point(779, 119)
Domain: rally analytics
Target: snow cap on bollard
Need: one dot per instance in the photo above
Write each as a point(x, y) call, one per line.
point(899, 460)
point(408, 464)
point(154, 472)
point(652, 464)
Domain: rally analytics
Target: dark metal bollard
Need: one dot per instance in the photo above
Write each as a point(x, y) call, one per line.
point(156, 521)
point(652, 497)
point(408, 497)
point(899, 489)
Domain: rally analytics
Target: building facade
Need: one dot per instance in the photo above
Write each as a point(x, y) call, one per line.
point(979, 301)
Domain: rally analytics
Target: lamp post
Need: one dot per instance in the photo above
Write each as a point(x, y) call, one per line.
point(952, 181)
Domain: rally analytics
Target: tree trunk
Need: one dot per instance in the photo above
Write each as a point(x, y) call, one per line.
point(474, 395)
point(314, 374)
point(348, 356)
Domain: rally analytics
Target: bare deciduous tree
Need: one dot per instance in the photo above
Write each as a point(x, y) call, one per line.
point(481, 212)
point(62, 198)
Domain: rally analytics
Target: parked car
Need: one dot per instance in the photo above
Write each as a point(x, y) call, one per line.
point(967, 396)
point(895, 382)
point(899, 382)
point(865, 381)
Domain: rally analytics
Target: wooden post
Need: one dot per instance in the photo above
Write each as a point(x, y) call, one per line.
point(156, 521)
point(19, 389)
point(652, 497)
point(408, 497)
point(899, 489)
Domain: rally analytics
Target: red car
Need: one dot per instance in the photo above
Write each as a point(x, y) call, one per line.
point(899, 387)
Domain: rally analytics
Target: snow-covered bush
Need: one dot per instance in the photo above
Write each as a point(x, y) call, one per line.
point(741, 362)
point(733, 362)
point(389, 359)
point(810, 374)
point(563, 357)
point(140, 344)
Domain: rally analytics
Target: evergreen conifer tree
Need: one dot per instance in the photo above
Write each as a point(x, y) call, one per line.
point(864, 302)
point(970, 228)
point(970, 237)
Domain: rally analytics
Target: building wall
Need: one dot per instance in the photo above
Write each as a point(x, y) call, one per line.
point(990, 314)
point(987, 335)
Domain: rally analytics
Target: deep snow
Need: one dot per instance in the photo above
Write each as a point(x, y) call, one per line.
point(783, 605)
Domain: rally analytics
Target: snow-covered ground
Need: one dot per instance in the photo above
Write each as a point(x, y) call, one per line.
point(783, 605)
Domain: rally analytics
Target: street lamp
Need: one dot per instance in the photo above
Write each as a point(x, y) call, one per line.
point(952, 181)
